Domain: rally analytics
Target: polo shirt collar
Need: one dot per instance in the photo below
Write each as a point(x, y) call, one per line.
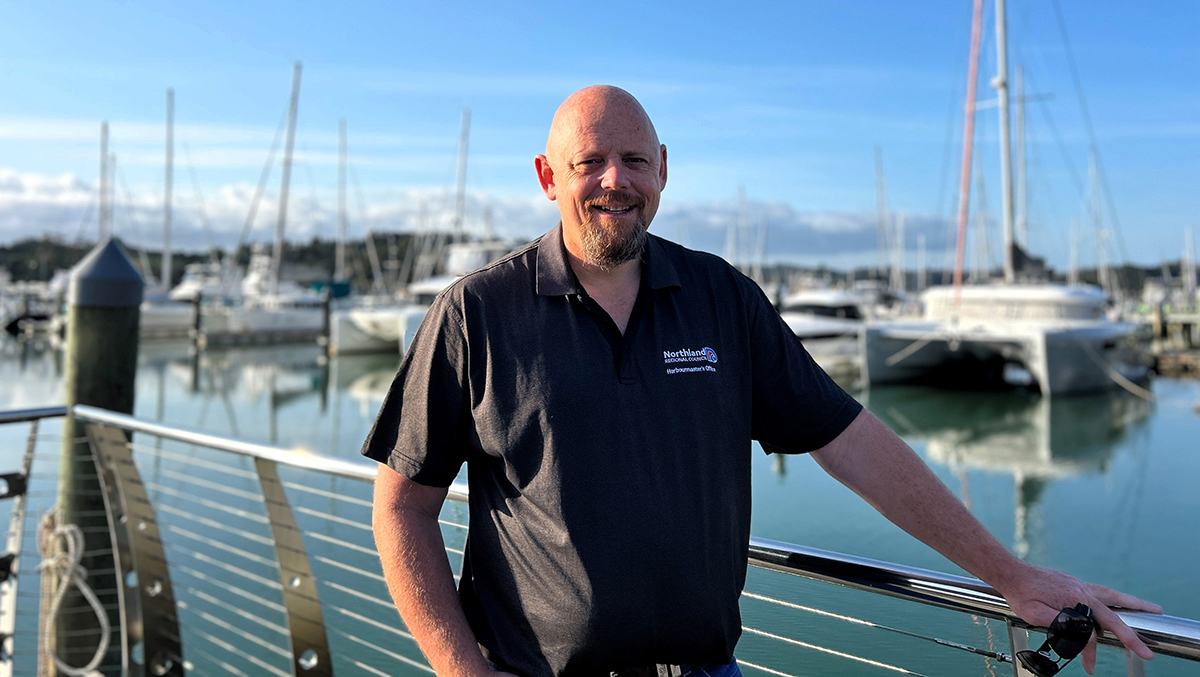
point(555, 277)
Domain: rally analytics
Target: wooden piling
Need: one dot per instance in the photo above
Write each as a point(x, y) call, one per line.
point(101, 364)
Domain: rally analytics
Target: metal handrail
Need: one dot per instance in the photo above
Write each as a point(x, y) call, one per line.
point(1168, 635)
point(22, 415)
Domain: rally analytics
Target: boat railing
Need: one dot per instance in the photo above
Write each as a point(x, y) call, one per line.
point(264, 561)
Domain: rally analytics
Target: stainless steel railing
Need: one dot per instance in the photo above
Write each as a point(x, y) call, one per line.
point(221, 545)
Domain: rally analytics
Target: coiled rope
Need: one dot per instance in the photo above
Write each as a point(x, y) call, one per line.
point(64, 565)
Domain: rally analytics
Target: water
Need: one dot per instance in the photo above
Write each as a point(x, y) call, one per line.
point(1101, 486)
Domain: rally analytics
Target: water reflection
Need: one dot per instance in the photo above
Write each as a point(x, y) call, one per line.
point(1034, 439)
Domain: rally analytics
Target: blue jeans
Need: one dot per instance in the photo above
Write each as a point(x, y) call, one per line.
point(729, 669)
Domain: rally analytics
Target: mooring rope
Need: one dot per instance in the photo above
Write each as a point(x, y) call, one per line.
point(65, 566)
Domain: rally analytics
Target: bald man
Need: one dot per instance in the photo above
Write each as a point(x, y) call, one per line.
point(603, 387)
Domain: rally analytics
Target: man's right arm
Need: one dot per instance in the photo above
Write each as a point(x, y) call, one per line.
point(409, 540)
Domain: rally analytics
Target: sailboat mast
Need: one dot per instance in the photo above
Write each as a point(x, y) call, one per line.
point(105, 210)
point(1188, 270)
point(883, 237)
point(277, 254)
point(1001, 86)
point(1022, 185)
point(460, 193)
point(167, 190)
point(964, 190)
point(339, 269)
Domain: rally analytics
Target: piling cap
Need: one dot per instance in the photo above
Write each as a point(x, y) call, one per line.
point(106, 278)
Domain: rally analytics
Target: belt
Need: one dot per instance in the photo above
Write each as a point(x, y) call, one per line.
point(657, 670)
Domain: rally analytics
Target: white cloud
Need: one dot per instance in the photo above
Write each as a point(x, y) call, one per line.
point(32, 205)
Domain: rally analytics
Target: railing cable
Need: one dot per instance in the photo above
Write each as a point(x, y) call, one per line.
point(1002, 657)
point(832, 652)
point(386, 652)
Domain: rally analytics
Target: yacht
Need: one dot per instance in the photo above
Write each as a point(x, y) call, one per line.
point(1056, 339)
point(828, 323)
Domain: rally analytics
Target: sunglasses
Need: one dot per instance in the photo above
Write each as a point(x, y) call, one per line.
point(1065, 639)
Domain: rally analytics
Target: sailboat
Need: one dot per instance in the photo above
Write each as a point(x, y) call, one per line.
point(270, 308)
point(389, 324)
point(1053, 338)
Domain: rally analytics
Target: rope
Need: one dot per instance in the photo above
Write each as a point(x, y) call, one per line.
point(64, 565)
point(1116, 376)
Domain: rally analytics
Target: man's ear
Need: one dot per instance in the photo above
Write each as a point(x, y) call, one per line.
point(545, 175)
point(662, 167)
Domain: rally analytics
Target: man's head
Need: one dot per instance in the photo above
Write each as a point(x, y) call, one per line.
point(605, 168)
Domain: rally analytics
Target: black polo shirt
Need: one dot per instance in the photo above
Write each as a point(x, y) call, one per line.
point(609, 474)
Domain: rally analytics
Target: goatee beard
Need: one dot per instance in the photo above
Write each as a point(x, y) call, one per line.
point(608, 248)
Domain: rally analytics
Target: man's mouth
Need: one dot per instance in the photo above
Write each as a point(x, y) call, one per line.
point(614, 210)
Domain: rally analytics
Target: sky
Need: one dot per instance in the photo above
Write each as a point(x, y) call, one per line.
point(789, 102)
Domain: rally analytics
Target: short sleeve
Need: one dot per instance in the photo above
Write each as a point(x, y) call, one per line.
point(797, 408)
point(423, 428)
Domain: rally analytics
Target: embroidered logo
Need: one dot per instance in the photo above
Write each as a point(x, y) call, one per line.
point(705, 355)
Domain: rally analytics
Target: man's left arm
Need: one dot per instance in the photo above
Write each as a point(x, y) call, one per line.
point(872, 461)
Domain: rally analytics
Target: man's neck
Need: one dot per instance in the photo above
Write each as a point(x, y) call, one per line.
point(615, 289)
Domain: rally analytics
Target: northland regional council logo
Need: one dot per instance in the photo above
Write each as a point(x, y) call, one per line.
point(707, 357)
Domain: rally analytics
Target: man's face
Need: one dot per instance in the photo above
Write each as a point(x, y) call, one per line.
point(606, 171)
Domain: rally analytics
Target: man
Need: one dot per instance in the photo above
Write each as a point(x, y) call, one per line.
point(603, 386)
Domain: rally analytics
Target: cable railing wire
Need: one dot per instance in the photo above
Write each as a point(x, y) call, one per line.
point(832, 652)
point(1004, 658)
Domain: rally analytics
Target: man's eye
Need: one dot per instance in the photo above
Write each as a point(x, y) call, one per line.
point(635, 159)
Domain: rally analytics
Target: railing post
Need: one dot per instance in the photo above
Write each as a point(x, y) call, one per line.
point(1018, 640)
point(150, 626)
point(306, 624)
point(12, 554)
point(104, 300)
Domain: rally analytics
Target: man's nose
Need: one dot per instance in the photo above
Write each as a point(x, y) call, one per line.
point(615, 176)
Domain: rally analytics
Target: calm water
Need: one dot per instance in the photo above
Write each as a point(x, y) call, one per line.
point(1101, 486)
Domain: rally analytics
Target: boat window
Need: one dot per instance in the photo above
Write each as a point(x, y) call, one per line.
point(842, 312)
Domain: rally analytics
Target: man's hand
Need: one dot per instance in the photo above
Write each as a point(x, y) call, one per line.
point(1037, 595)
point(877, 465)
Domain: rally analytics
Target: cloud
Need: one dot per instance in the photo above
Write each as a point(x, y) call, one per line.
point(32, 205)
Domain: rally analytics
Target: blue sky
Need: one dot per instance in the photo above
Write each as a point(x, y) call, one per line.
point(789, 100)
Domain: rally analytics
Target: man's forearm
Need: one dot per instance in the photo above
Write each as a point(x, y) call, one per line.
point(877, 465)
point(421, 584)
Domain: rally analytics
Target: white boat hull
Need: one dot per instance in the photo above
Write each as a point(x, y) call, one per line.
point(1060, 359)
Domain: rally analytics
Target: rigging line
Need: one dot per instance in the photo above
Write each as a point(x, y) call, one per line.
point(262, 184)
point(87, 216)
point(1062, 146)
point(832, 652)
point(948, 153)
point(1004, 658)
point(1116, 375)
point(200, 203)
point(1087, 121)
